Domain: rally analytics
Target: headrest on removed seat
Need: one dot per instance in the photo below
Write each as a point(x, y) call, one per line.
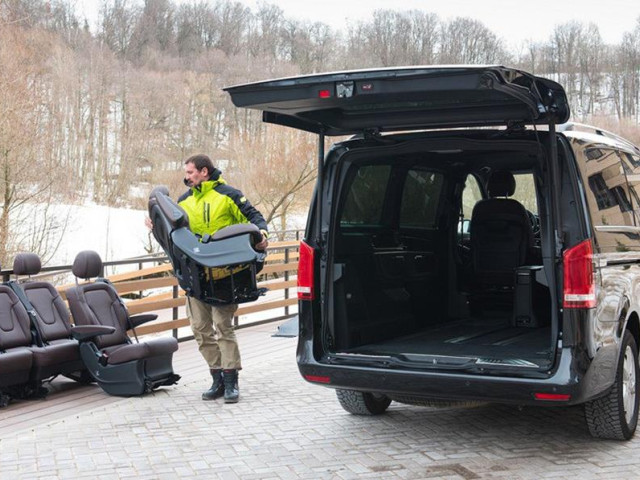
point(87, 264)
point(26, 264)
point(162, 189)
point(501, 184)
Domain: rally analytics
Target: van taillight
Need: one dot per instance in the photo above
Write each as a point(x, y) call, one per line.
point(305, 272)
point(579, 282)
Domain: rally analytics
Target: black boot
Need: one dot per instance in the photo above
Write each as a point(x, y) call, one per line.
point(217, 387)
point(231, 391)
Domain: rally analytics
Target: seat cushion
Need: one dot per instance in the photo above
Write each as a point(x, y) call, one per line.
point(56, 353)
point(162, 346)
point(15, 365)
point(138, 351)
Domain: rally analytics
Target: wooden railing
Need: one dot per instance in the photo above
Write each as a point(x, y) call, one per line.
point(154, 289)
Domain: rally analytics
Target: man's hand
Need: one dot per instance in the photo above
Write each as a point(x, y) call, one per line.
point(264, 243)
point(148, 223)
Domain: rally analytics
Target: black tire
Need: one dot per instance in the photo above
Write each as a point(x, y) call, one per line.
point(363, 403)
point(615, 416)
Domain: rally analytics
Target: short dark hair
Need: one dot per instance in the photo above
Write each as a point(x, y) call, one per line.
point(201, 161)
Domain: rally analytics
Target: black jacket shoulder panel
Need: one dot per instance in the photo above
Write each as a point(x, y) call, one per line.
point(248, 210)
point(185, 195)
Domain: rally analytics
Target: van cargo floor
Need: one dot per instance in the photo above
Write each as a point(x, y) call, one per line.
point(488, 339)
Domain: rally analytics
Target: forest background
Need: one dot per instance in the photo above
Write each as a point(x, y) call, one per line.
point(101, 115)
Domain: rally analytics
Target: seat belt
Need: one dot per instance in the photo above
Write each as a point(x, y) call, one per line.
point(124, 307)
point(33, 314)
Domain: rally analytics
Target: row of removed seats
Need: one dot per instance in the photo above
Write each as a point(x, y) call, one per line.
point(38, 341)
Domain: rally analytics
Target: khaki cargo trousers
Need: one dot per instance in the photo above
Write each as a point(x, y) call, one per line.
point(213, 330)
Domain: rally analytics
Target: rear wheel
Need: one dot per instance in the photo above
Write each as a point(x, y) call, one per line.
point(615, 416)
point(363, 403)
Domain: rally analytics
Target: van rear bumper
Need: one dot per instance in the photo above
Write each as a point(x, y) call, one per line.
point(575, 381)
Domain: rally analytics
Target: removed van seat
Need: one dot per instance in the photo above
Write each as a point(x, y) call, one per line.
point(56, 352)
point(16, 358)
point(119, 366)
point(218, 269)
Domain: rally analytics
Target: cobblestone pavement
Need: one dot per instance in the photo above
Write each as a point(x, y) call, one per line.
point(284, 428)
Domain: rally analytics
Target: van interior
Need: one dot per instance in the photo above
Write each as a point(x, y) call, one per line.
point(438, 259)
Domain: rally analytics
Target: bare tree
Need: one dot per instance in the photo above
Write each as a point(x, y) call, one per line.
point(28, 168)
point(469, 41)
point(630, 62)
point(119, 19)
point(565, 41)
point(275, 170)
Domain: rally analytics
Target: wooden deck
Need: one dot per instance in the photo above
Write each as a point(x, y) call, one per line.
point(67, 398)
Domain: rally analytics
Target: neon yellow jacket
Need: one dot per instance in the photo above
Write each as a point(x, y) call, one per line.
point(213, 205)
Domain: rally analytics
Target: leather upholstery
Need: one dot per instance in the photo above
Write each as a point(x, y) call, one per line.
point(501, 184)
point(138, 351)
point(87, 264)
point(26, 264)
point(14, 321)
point(55, 319)
point(16, 359)
point(119, 366)
point(60, 353)
point(501, 234)
point(239, 229)
point(98, 304)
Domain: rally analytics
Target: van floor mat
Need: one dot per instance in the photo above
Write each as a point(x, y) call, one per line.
point(482, 339)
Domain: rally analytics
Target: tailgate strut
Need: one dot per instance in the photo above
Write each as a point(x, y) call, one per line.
point(319, 188)
point(556, 185)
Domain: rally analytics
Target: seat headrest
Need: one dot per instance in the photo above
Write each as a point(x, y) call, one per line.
point(26, 264)
point(162, 189)
point(87, 264)
point(501, 184)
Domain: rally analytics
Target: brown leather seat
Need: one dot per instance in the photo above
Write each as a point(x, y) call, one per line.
point(16, 358)
point(119, 366)
point(58, 353)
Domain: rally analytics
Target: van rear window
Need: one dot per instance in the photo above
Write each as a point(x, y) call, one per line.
point(420, 199)
point(365, 199)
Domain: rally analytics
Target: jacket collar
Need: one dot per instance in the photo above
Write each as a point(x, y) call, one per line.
point(207, 186)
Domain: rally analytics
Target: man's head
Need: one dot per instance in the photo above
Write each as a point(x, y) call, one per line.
point(197, 169)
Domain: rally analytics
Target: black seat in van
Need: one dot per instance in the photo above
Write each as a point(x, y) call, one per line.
point(118, 365)
point(501, 235)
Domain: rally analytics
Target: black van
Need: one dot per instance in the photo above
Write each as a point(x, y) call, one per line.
point(466, 243)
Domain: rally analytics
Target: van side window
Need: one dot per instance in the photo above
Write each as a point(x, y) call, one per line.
point(525, 192)
point(609, 187)
point(607, 181)
point(420, 199)
point(631, 164)
point(470, 196)
point(365, 199)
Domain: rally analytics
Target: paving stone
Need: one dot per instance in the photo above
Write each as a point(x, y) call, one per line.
point(286, 428)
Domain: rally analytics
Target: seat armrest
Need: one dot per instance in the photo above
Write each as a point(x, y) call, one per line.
point(137, 320)
point(84, 333)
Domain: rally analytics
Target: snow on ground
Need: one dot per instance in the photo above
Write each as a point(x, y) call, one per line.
point(120, 233)
point(115, 233)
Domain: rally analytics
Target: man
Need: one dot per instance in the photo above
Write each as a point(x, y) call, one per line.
point(211, 204)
